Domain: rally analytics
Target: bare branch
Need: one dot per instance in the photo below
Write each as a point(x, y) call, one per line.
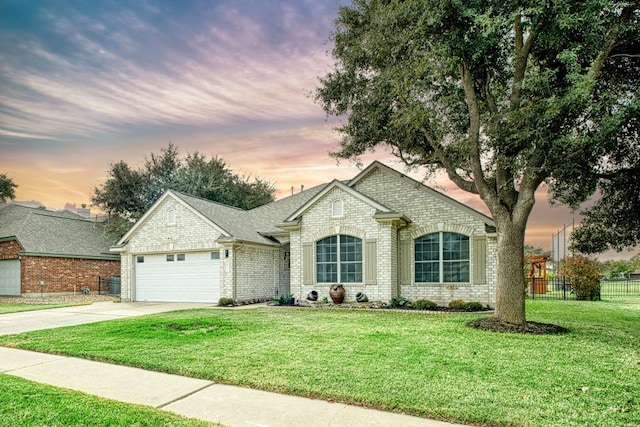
point(607, 47)
point(453, 175)
point(523, 49)
point(626, 55)
point(474, 132)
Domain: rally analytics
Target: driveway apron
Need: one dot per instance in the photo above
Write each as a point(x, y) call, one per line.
point(16, 323)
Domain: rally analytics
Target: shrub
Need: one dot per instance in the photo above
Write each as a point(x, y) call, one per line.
point(424, 304)
point(473, 306)
point(225, 302)
point(399, 302)
point(284, 299)
point(582, 273)
point(458, 304)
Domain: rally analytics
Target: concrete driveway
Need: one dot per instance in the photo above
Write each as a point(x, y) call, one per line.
point(15, 323)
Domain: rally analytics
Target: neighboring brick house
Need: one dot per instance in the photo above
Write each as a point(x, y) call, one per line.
point(382, 233)
point(44, 252)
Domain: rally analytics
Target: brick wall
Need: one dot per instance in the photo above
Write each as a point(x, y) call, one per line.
point(428, 212)
point(64, 274)
point(256, 272)
point(9, 249)
point(188, 233)
point(358, 221)
point(431, 213)
point(247, 271)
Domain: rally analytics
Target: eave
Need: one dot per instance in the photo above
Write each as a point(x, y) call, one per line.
point(290, 225)
point(393, 218)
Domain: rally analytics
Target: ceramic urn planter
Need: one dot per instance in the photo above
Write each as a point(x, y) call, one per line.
point(337, 292)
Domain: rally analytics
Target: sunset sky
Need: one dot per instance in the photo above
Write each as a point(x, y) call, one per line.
point(84, 84)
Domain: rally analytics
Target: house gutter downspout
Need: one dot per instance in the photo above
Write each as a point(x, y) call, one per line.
point(398, 261)
point(233, 272)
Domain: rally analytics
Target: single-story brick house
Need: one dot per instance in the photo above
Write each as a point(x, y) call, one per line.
point(44, 252)
point(381, 233)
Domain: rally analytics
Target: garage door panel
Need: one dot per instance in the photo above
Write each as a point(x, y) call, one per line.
point(10, 277)
point(196, 279)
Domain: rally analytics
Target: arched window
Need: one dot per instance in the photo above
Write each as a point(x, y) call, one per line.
point(339, 259)
point(442, 258)
point(337, 209)
point(171, 217)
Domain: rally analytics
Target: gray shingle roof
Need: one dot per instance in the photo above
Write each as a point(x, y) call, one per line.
point(254, 224)
point(233, 221)
point(54, 233)
point(260, 225)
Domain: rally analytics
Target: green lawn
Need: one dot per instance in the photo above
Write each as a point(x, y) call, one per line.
point(26, 403)
point(429, 365)
point(15, 308)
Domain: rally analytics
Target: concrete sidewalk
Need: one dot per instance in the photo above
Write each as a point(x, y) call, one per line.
point(202, 399)
point(231, 406)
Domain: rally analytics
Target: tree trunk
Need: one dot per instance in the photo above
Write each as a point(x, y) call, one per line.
point(510, 293)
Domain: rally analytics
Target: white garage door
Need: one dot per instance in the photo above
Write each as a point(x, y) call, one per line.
point(178, 277)
point(10, 277)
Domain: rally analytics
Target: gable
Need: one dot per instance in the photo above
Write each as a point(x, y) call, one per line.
point(412, 198)
point(329, 192)
point(172, 224)
point(355, 211)
point(156, 216)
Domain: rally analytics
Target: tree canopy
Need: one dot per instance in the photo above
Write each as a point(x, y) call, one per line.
point(7, 188)
point(503, 96)
point(129, 192)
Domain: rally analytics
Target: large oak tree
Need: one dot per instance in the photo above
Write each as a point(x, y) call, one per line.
point(503, 96)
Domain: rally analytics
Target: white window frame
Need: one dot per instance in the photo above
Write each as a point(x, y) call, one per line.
point(337, 209)
point(441, 261)
point(171, 217)
point(339, 262)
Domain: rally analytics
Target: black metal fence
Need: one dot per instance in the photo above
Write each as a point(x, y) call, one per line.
point(560, 288)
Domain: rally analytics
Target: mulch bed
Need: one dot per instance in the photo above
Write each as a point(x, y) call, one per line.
point(380, 305)
point(494, 325)
point(489, 323)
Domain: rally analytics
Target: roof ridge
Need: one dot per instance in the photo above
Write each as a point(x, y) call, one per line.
point(63, 216)
point(288, 198)
point(181, 193)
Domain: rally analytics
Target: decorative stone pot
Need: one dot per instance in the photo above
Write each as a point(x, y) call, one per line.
point(312, 296)
point(336, 292)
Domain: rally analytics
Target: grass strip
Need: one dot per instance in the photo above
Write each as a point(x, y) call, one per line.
point(16, 308)
point(430, 365)
point(26, 403)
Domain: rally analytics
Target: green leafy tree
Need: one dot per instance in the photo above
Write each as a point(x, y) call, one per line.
point(129, 192)
point(7, 188)
point(613, 222)
point(502, 96)
point(616, 269)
